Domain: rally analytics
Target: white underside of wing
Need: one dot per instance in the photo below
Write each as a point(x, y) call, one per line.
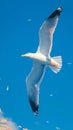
point(46, 35)
point(33, 81)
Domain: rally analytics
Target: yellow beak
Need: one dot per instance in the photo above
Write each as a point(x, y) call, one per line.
point(23, 55)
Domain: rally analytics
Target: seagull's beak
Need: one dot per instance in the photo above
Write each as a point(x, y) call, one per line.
point(23, 55)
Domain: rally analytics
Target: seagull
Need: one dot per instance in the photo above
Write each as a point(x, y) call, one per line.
point(42, 59)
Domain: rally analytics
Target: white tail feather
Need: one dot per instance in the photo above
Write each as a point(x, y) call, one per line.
point(56, 64)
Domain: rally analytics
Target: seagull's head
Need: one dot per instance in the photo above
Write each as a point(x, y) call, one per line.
point(30, 55)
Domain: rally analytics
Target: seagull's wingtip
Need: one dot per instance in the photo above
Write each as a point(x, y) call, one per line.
point(56, 12)
point(34, 107)
point(60, 9)
point(36, 113)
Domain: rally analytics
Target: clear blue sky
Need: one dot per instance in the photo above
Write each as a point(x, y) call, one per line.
point(19, 25)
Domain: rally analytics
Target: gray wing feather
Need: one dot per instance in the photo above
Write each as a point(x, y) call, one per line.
point(33, 81)
point(46, 32)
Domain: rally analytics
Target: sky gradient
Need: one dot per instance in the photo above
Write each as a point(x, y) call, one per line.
point(19, 25)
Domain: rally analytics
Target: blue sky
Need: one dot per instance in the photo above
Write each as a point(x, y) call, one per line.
point(19, 26)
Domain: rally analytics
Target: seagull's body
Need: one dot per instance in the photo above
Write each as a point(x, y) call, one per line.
point(42, 59)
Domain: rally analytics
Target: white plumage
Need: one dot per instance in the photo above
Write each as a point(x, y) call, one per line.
point(42, 59)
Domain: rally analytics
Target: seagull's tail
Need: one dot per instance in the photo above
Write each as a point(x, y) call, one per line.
point(56, 64)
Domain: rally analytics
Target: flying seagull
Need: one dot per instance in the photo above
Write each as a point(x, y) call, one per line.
point(42, 59)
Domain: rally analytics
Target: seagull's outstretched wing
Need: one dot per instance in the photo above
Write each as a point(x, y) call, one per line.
point(33, 81)
point(46, 32)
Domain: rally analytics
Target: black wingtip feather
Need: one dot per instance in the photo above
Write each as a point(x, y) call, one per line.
point(34, 107)
point(56, 13)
